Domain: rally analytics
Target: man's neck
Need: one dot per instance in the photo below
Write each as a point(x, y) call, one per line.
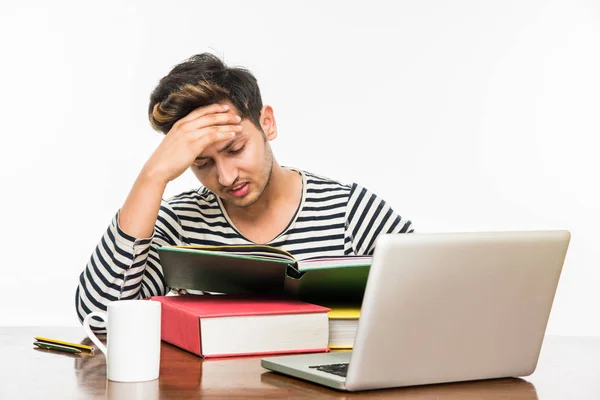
point(282, 186)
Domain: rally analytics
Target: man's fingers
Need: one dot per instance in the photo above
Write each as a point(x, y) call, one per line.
point(215, 132)
point(211, 137)
point(205, 110)
point(210, 119)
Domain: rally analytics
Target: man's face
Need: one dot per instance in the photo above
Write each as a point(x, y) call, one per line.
point(237, 170)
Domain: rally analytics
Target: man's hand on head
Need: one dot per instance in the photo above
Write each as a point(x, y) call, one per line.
point(189, 137)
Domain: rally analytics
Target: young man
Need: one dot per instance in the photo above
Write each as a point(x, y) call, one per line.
point(215, 123)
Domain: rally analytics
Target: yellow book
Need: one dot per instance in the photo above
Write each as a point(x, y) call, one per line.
point(344, 313)
point(343, 322)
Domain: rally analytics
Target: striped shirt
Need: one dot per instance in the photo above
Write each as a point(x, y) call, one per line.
point(332, 219)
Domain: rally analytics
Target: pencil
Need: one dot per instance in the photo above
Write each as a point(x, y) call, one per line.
point(51, 346)
point(63, 343)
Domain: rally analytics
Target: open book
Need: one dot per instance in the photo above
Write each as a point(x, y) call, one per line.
point(265, 270)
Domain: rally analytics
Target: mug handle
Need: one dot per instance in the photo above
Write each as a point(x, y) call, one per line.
point(88, 330)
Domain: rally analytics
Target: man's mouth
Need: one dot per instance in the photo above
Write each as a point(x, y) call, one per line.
point(239, 190)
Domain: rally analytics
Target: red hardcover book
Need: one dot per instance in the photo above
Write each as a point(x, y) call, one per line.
point(225, 326)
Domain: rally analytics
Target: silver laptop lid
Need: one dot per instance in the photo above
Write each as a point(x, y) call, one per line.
point(455, 306)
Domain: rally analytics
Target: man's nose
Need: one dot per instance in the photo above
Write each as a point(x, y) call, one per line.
point(227, 173)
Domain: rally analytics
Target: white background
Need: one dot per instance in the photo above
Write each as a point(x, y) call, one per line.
point(464, 115)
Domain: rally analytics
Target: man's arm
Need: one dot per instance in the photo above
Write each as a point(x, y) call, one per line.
point(123, 267)
point(125, 264)
point(188, 137)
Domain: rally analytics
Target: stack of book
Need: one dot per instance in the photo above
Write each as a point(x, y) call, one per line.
point(274, 303)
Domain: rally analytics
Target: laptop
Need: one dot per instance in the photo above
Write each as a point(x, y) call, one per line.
point(445, 307)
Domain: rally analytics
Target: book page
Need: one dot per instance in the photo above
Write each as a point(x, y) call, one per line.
point(254, 251)
point(334, 262)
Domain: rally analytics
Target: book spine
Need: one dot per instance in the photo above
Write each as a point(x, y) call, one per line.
point(291, 281)
point(180, 328)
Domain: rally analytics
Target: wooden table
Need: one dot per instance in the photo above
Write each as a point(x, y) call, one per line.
point(569, 368)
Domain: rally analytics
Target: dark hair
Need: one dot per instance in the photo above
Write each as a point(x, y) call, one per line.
point(201, 80)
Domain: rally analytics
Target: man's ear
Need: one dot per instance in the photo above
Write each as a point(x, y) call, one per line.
point(267, 122)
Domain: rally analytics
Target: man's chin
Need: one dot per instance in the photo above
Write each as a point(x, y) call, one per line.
point(241, 202)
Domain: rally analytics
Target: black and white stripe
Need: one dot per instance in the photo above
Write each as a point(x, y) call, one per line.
point(333, 219)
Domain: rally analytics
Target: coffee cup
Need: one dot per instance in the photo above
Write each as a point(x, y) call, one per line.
point(133, 339)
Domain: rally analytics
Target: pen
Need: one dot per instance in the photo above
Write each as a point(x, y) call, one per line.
point(63, 343)
point(50, 346)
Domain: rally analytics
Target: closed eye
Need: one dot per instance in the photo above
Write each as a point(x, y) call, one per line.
point(237, 151)
point(202, 164)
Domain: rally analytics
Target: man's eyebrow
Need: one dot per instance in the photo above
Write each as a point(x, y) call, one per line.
point(224, 149)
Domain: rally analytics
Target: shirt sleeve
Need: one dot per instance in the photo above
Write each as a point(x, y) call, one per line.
point(123, 267)
point(367, 217)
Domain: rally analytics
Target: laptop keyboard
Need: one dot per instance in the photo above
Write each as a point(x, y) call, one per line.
point(336, 369)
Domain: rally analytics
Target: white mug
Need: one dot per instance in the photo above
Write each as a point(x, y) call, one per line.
point(133, 339)
point(132, 390)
